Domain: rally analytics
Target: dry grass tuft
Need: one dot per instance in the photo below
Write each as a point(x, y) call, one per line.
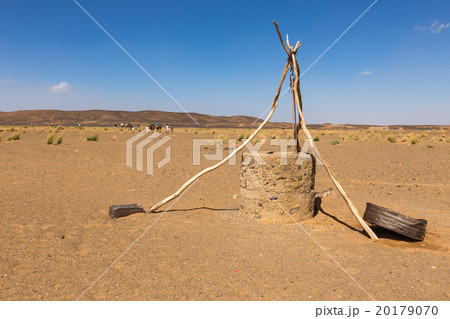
point(92, 138)
point(14, 137)
point(50, 138)
point(391, 139)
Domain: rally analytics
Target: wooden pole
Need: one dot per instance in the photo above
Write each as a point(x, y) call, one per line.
point(298, 99)
point(209, 169)
point(317, 154)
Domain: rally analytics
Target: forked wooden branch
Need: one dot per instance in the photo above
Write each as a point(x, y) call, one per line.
point(281, 38)
point(209, 169)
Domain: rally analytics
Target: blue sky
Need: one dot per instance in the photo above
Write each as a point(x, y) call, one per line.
point(224, 57)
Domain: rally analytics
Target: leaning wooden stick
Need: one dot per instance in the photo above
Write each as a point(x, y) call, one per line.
point(209, 169)
point(317, 154)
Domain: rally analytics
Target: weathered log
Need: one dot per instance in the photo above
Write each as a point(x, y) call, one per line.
point(396, 222)
point(116, 211)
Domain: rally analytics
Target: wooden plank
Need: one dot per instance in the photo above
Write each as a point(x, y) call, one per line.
point(396, 222)
point(116, 211)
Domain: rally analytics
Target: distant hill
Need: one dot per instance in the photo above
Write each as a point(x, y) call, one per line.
point(109, 118)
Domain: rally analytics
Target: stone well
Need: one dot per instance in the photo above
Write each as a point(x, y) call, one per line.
point(287, 182)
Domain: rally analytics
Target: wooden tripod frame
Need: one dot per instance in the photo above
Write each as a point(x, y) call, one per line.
point(291, 62)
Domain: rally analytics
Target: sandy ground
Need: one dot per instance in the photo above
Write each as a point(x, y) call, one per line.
point(57, 237)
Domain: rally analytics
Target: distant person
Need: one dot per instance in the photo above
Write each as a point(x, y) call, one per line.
point(115, 126)
point(171, 128)
point(139, 126)
point(167, 128)
point(79, 125)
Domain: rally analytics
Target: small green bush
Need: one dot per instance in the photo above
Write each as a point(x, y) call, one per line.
point(316, 139)
point(415, 140)
point(241, 137)
point(92, 138)
point(335, 142)
point(392, 139)
point(14, 137)
point(430, 146)
point(60, 140)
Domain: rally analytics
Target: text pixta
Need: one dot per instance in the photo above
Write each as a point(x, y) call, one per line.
point(337, 311)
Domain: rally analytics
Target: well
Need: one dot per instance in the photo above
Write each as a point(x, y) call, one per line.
point(277, 181)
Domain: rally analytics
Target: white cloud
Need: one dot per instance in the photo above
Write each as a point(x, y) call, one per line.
point(367, 72)
point(62, 87)
point(433, 26)
point(9, 80)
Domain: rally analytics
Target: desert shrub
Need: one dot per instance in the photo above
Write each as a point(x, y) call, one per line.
point(346, 138)
point(377, 137)
point(274, 137)
point(1, 131)
point(247, 136)
point(60, 140)
point(213, 132)
point(356, 137)
point(316, 139)
point(50, 138)
point(92, 138)
point(392, 139)
point(59, 128)
point(241, 137)
point(335, 142)
point(415, 140)
point(430, 146)
point(196, 132)
point(105, 129)
point(14, 137)
point(441, 140)
point(423, 135)
point(224, 138)
point(12, 129)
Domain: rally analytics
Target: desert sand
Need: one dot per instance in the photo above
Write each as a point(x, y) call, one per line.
point(57, 237)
